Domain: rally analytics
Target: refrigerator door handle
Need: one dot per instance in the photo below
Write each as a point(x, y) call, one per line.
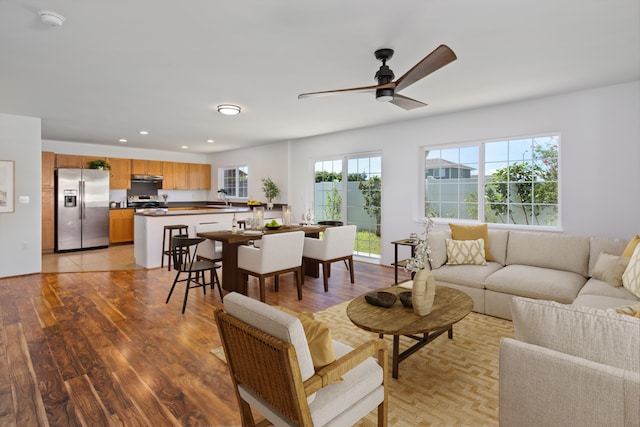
point(82, 201)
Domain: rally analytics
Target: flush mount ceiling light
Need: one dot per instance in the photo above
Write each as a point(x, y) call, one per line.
point(51, 18)
point(228, 109)
point(144, 132)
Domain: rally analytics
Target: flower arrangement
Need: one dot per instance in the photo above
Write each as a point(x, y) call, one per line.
point(422, 253)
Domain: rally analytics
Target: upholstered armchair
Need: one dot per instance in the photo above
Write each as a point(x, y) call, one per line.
point(272, 370)
point(278, 254)
point(336, 245)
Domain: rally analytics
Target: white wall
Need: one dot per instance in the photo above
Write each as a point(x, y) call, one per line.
point(600, 152)
point(264, 161)
point(20, 141)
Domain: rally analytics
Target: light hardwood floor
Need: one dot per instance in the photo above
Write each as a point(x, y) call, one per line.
point(118, 257)
point(103, 348)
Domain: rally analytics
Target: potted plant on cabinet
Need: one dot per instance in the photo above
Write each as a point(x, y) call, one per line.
point(99, 164)
point(271, 191)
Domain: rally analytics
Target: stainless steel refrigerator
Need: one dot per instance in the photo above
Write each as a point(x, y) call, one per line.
point(82, 209)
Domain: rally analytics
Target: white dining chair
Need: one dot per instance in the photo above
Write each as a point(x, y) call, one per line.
point(278, 254)
point(210, 250)
point(336, 245)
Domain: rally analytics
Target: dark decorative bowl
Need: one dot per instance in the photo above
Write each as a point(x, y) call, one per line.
point(405, 299)
point(272, 227)
point(381, 299)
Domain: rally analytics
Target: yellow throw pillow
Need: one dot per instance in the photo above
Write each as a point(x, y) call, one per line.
point(318, 337)
point(631, 276)
point(631, 246)
point(460, 252)
point(631, 310)
point(472, 232)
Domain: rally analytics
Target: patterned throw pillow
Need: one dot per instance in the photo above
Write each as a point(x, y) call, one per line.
point(465, 252)
point(631, 310)
point(631, 276)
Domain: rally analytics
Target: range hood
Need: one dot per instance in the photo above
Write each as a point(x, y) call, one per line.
point(146, 178)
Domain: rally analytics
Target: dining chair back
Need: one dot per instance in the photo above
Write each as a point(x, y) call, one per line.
point(210, 250)
point(337, 244)
point(272, 370)
point(278, 253)
point(184, 252)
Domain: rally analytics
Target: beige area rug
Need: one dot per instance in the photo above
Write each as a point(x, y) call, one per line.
point(446, 383)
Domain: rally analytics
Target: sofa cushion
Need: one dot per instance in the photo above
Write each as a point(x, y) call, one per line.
point(498, 245)
point(472, 276)
point(546, 250)
point(472, 232)
point(536, 282)
point(598, 287)
point(464, 252)
point(597, 335)
point(631, 276)
point(609, 268)
point(438, 243)
point(604, 244)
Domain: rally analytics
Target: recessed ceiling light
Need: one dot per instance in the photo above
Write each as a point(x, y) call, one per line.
point(122, 140)
point(210, 141)
point(229, 109)
point(144, 132)
point(184, 147)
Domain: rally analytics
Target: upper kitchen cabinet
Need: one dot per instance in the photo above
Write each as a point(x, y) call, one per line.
point(48, 165)
point(73, 161)
point(146, 167)
point(180, 176)
point(198, 176)
point(120, 173)
point(169, 181)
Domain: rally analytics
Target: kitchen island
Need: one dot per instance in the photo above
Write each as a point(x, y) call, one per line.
point(149, 227)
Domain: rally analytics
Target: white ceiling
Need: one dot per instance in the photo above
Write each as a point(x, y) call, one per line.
point(120, 66)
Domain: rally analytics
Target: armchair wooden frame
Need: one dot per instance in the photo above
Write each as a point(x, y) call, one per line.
point(269, 368)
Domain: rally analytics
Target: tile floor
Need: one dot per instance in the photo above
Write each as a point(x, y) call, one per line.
point(118, 257)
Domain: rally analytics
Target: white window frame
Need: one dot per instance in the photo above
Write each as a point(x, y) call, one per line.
point(236, 169)
point(481, 182)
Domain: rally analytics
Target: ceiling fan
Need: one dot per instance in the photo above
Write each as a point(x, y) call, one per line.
point(387, 90)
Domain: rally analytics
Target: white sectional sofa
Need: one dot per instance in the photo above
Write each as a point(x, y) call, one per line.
point(546, 266)
point(569, 365)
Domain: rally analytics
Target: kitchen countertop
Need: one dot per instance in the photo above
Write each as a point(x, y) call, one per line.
point(220, 210)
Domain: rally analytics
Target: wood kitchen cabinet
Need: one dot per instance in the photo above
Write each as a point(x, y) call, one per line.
point(198, 176)
point(120, 226)
point(180, 176)
point(48, 200)
point(120, 173)
point(205, 177)
point(73, 161)
point(168, 182)
point(146, 167)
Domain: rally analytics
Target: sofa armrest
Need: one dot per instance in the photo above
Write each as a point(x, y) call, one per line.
point(539, 386)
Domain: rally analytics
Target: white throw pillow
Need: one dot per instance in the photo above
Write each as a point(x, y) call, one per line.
point(461, 252)
point(631, 276)
point(609, 268)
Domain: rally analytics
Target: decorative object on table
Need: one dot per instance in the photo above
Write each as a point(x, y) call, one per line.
point(271, 191)
point(99, 164)
point(286, 215)
point(413, 237)
point(405, 298)
point(7, 186)
point(381, 299)
point(307, 217)
point(273, 225)
point(222, 195)
point(424, 285)
point(234, 225)
point(258, 217)
point(253, 203)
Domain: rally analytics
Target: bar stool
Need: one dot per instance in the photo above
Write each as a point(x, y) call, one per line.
point(180, 229)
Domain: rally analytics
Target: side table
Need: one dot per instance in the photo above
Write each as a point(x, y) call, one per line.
point(401, 263)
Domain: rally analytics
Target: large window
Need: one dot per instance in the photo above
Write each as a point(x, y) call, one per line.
point(512, 181)
point(235, 181)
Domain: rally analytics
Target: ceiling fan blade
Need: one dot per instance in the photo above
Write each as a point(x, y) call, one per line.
point(441, 56)
point(406, 102)
point(339, 91)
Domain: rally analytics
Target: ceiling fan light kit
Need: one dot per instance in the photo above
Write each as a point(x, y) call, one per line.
point(51, 18)
point(228, 109)
point(387, 90)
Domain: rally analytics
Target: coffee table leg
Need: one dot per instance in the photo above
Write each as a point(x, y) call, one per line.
point(451, 332)
point(396, 361)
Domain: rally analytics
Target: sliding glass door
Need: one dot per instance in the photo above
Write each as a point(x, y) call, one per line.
point(348, 190)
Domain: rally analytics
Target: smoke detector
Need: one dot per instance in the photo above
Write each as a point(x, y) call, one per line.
point(51, 18)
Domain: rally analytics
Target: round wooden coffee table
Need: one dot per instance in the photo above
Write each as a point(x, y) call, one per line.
point(449, 307)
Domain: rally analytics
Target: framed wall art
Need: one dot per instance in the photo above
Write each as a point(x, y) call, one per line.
point(7, 186)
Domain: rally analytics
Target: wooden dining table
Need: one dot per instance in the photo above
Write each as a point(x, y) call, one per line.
point(231, 280)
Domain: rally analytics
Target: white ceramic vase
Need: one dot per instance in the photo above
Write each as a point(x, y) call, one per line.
point(423, 292)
